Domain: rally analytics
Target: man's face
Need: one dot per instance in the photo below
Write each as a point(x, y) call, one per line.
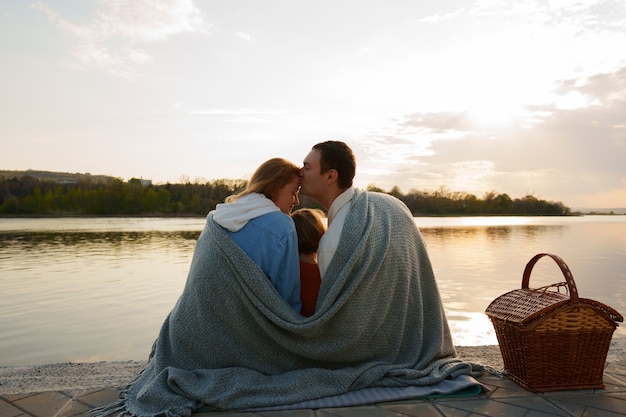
point(312, 180)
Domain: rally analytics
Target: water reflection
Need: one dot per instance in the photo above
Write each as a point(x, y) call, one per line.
point(35, 239)
point(491, 232)
point(475, 265)
point(99, 289)
point(73, 296)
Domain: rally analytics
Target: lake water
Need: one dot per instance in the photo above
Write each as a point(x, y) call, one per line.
point(98, 289)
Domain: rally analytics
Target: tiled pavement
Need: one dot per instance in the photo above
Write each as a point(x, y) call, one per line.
point(506, 399)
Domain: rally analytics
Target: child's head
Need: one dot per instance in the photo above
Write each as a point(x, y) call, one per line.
point(310, 227)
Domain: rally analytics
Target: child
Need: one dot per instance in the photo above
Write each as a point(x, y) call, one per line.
point(310, 227)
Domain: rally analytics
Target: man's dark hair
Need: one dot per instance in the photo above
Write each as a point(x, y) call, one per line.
point(338, 156)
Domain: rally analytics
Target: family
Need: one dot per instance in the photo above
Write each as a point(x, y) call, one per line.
point(280, 309)
point(255, 219)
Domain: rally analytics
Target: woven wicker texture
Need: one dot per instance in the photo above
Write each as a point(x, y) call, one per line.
point(550, 340)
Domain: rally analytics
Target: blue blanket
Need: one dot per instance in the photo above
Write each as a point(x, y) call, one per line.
point(232, 343)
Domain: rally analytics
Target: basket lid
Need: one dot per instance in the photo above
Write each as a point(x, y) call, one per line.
point(524, 305)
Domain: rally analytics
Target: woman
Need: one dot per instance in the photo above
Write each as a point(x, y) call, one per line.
point(258, 220)
point(244, 271)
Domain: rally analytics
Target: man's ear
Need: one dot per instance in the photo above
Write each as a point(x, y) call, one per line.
point(332, 176)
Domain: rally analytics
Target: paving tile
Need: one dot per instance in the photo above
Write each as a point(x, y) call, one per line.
point(535, 404)
point(15, 397)
point(46, 404)
point(454, 412)
point(534, 413)
point(506, 399)
point(572, 409)
point(417, 409)
point(83, 414)
point(98, 397)
point(74, 409)
point(8, 410)
point(564, 395)
point(276, 413)
point(600, 413)
point(503, 387)
point(507, 389)
point(225, 414)
point(365, 411)
point(600, 402)
point(487, 407)
point(286, 413)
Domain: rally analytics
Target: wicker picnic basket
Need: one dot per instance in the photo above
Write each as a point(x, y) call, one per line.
point(550, 340)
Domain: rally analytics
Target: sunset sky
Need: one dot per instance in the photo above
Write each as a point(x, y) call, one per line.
point(516, 97)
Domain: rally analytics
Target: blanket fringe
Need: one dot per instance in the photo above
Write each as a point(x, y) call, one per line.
point(500, 373)
point(118, 406)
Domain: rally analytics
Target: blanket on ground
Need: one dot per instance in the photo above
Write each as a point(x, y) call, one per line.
point(231, 342)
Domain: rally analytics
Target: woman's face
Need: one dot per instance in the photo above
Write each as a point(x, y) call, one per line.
point(287, 197)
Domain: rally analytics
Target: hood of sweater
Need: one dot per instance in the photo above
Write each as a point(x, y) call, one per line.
point(234, 216)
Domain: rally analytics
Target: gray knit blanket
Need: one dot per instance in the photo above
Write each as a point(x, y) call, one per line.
point(231, 342)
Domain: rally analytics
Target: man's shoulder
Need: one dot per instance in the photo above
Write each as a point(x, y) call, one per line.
point(377, 196)
point(382, 201)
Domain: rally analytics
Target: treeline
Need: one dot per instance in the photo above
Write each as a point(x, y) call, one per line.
point(28, 195)
point(444, 202)
point(106, 196)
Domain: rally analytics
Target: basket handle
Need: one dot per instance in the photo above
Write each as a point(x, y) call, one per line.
point(573, 292)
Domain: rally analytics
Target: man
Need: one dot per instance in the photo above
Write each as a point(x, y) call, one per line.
point(327, 177)
point(374, 264)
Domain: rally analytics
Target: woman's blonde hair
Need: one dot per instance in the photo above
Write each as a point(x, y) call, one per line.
point(310, 227)
point(269, 178)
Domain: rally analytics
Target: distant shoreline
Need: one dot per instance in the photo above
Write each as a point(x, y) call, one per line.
point(202, 216)
point(74, 376)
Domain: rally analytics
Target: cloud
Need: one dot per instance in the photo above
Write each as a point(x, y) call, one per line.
point(244, 36)
point(438, 122)
point(112, 39)
point(236, 112)
point(243, 115)
point(608, 89)
point(438, 18)
point(564, 151)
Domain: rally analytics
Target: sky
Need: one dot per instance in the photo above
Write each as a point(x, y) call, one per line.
point(516, 97)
